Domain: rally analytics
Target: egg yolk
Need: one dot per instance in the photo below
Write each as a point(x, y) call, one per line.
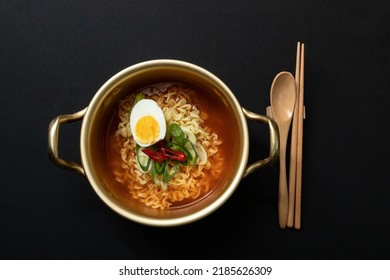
point(147, 130)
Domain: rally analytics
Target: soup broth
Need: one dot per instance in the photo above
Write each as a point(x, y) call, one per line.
point(192, 182)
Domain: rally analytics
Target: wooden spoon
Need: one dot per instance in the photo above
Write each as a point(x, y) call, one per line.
point(283, 96)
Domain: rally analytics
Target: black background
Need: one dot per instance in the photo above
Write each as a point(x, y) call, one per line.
point(55, 55)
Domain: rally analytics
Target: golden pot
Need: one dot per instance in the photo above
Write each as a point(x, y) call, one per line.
point(95, 120)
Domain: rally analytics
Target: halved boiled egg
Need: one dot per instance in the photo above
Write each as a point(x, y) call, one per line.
point(147, 123)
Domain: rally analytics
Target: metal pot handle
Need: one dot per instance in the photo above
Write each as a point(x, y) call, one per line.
point(274, 142)
point(53, 131)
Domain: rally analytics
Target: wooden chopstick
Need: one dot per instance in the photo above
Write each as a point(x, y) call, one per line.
point(293, 149)
point(298, 182)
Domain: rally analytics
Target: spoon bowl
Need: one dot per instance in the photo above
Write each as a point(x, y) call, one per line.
point(283, 96)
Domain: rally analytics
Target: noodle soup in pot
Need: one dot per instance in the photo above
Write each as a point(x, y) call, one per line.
point(163, 142)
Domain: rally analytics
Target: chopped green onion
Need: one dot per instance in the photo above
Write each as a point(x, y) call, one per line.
point(154, 174)
point(202, 154)
point(139, 97)
point(157, 180)
point(189, 146)
point(189, 135)
point(177, 133)
point(159, 167)
point(170, 173)
point(143, 161)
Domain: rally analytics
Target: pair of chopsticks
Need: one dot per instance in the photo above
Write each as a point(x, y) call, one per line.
point(295, 175)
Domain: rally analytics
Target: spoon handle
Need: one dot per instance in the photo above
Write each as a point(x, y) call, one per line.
point(283, 189)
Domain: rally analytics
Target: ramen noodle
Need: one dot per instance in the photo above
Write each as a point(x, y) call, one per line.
point(192, 181)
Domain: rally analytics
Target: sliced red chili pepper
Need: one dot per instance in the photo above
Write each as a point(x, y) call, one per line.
point(165, 153)
point(172, 154)
point(155, 155)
